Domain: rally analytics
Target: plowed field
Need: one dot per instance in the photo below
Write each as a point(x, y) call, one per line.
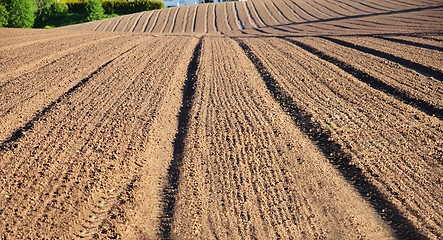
point(285, 119)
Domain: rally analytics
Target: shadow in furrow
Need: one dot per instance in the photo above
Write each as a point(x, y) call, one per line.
point(373, 81)
point(364, 15)
point(170, 191)
point(19, 133)
point(416, 44)
point(404, 62)
point(403, 228)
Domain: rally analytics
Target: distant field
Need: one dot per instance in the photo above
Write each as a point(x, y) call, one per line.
point(281, 17)
point(282, 119)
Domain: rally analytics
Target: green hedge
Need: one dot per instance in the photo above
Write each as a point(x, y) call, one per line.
point(17, 13)
point(116, 6)
point(126, 7)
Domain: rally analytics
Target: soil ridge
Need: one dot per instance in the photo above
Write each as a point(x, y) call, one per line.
point(341, 160)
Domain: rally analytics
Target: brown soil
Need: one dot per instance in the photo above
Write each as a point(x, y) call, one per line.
point(427, 57)
point(397, 146)
point(86, 154)
point(405, 80)
point(28, 94)
point(277, 15)
point(284, 119)
point(247, 171)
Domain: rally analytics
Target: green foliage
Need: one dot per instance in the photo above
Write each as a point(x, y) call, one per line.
point(94, 10)
point(21, 13)
point(75, 6)
point(49, 12)
point(127, 7)
point(43, 9)
point(116, 6)
point(59, 9)
point(3, 16)
point(64, 20)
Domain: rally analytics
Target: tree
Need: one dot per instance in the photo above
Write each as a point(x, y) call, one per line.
point(44, 9)
point(94, 10)
point(20, 13)
point(3, 16)
point(59, 9)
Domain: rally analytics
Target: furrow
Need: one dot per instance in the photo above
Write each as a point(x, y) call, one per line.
point(153, 21)
point(171, 188)
point(377, 139)
point(25, 96)
point(331, 12)
point(222, 18)
point(91, 26)
point(212, 19)
point(248, 172)
point(168, 19)
point(141, 22)
point(309, 10)
point(230, 16)
point(120, 23)
point(415, 44)
point(100, 163)
point(28, 58)
point(113, 25)
point(243, 16)
point(125, 22)
point(288, 12)
point(200, 22)
point(136, 22)
point(247, 15)
point(105, 24)
point(428, 105)
point(254, 14)
point(438, 38)
point(276, 12)
point(349, 7)
point(265, 13)
point(374, 5)
point(180, 22)
point(190, 23)
point(17, 134)
point(302, 12)
point(185, 20)
point(324, 10)
point(422, 69)
point(31, 38)
point(162, 19)
point(173, 20)
point(237, 17)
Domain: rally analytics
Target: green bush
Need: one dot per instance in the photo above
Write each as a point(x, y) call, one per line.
point(3, 16)
point(59, 9)
point(127, 7)
point(94, 10)
point(21, 13)
point(116, 6)
point(44, 9)
point(49, 12)
point(75, 6)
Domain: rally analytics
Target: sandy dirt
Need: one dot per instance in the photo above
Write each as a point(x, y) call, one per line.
point(100, 142)
point(367, 124)
point(284, 119)
point(404, 81)
point(274, 16)
point(243, 157)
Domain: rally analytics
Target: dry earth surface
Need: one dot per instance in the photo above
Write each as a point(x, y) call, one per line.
point(283, 119)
